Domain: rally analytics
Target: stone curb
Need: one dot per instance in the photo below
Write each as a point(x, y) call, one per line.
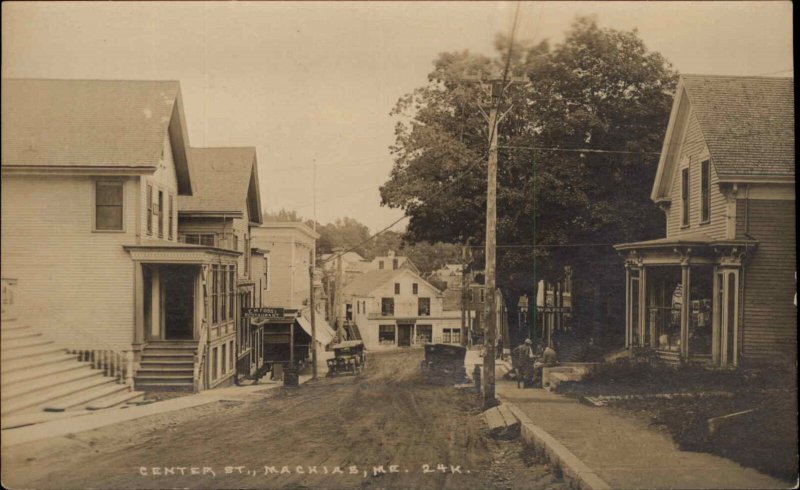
point(571, 467)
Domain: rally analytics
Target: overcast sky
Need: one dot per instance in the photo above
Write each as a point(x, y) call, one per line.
point(314, 82)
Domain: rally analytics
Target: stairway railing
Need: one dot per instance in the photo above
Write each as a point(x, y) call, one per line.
point(198, 376)
point(114, 362)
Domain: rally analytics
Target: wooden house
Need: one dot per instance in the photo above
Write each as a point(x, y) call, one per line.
point(719, 288)
point(93, 172)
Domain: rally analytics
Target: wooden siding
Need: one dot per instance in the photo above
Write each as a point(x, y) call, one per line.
point(770, 317)
point(694, 148)
point(70, 278)
point(288, 261)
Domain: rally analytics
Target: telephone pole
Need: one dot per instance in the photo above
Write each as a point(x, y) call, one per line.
point(313, 317)
point(494, 89)
point(338, 293)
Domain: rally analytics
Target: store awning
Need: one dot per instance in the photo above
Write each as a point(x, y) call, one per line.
point(325, 333)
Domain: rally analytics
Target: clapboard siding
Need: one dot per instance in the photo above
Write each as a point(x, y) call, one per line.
point(694, 148)
point(164, 179)
point(289, 265)
point(770, 317)
point(70, 278)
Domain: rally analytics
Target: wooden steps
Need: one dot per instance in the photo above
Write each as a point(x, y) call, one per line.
point(167, 365)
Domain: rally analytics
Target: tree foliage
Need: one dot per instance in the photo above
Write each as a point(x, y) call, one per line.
point(601, 90)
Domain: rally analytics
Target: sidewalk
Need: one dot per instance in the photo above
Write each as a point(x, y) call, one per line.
point(94, 420)
point(625, 452)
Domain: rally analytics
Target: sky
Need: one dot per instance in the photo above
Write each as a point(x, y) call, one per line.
point(312, 83)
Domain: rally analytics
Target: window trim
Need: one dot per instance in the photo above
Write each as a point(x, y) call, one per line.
point(121, 183)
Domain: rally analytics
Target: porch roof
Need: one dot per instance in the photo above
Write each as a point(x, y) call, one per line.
point(164, 251)
point(692, 240)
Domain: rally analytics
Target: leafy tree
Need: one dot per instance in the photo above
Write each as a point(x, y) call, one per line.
point(601, 90)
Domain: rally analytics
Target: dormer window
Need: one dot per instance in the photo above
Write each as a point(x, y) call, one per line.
point(685, 197)
point(705, 194)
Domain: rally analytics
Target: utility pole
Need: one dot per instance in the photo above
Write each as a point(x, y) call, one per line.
point(464, 330)
point(338, 293)
point(494, 89)
point(313, 316)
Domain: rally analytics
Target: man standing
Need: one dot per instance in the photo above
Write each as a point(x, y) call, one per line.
point(521, 361)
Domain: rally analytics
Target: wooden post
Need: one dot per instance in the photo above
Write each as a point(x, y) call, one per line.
point(628, 335)
point(642, 303)
point(685, 307)
point(491, 237)
point(313, 321)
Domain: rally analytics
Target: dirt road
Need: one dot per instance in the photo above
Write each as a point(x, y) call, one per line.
point(386, 428)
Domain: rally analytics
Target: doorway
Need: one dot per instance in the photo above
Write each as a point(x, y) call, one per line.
point(177, 291)
point(404, 335)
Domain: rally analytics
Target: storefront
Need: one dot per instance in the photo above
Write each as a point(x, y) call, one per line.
point(683, 299)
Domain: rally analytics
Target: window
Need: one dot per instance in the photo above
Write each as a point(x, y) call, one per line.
point(424, 333)
point(386, 334)
point(224, 364)
point(348, 313)
point(246, 256)
point(415, 288)
point(394, 263)
point(214, 363)
point(205, 239)
point(423, 307)
point(451, 335)
point(223, 292)
point(108, 206)
point(215, 294)
point(358, 307)
point(483, 295)
point(397, 288)
point(685, 197)
point(171, 216)
point(705, 195)
point(159, 212)
point(231, 292)
point(149, 209)
point(380, 264)
point(235, 241)
point(387, 306)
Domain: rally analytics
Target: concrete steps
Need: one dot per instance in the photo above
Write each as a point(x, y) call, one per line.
point(39, 375)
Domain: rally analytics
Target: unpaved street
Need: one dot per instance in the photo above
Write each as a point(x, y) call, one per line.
point(333, 433)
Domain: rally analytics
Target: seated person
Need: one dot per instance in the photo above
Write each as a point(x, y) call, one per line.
point(549, 359)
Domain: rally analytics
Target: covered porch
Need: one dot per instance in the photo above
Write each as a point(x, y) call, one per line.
point(682, 299)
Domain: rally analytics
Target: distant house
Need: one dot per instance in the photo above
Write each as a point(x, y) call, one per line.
point(224, 206)
point(719, 287)
point(451, 275)
point(398, 308)
point(290, 248)
point(392, 261)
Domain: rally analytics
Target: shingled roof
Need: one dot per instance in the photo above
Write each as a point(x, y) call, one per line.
point(92, 124)
point(747, 123)
point(225, 179)
point(369, 281)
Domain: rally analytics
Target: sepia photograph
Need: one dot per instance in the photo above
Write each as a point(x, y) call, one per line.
point(396, 245)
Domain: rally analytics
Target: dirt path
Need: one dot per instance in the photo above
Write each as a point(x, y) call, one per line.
point(333, 433)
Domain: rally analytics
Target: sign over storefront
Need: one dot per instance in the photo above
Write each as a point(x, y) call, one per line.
point(263, 312)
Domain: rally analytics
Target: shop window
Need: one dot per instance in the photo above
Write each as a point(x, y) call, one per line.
point(451, 335)
point(386, 334)
point(423, 307)
point(108, 206)
point(387, 306)
point(424, 334)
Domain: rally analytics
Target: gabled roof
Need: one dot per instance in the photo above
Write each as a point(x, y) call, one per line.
point(93, 124)
point(747, 124)
point(366, 283)
point(225, 180)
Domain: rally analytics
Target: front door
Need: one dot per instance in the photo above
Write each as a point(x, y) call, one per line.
point(727, 314)
point(404, 335)
point(177, 289)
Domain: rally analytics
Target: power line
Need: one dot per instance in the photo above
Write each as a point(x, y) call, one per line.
point(580, 150)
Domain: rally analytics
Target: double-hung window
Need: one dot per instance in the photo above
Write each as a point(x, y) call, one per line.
point(149, 209)
point(171, 218)
point(397, 288)
point(423, 307)
point(387, 306)
point(685, 197)
point(108, 206)
point(705, 194)
point(160, 213)
point(415, 288)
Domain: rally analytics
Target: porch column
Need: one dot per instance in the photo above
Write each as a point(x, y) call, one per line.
point(642, 304)
point(685, 307)
point(138, 306)
point(628, 335)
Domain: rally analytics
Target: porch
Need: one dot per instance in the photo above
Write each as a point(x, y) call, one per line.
point(682, 299)
point(185, 316)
